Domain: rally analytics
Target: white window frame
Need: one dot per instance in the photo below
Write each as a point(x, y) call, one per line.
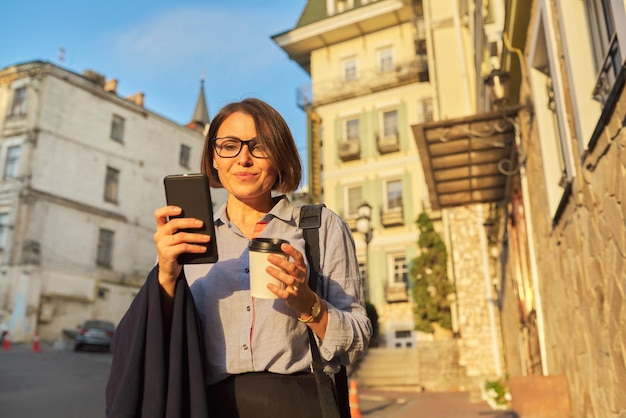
point(18, 103)
point(385, 60)
point(4, 229)
point(386, 196)
point(349, 69)
point(117, 128)
point(106, 240)
point(111, 185)
point(356, 202)
point(553, 130)
point(384, 132)
point(184, 155)
point(12, 162)
point(398, 270)
point(349, 131)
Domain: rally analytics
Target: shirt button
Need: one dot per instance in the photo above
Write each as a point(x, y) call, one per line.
point(245, 346)
point(247, 270)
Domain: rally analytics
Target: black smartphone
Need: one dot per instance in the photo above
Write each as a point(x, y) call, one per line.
point(192, 193)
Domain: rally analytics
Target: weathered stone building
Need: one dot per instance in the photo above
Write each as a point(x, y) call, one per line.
point(82, 171)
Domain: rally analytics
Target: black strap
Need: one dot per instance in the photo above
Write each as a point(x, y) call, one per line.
point(310, 221)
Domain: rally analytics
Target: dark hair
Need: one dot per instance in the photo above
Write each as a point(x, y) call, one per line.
point(272, 132)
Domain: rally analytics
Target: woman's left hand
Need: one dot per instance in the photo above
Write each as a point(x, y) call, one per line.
point(296, 292)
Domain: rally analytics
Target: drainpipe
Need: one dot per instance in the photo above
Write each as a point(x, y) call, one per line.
point(489, 293)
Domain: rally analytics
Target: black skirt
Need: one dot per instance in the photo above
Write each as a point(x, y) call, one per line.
point(267, 395)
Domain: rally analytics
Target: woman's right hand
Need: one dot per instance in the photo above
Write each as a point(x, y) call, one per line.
point(170, 243)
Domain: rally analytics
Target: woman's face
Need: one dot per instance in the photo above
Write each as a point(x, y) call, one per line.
point(245, 177)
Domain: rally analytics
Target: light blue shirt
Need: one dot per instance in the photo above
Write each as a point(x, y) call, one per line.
point(245, 334)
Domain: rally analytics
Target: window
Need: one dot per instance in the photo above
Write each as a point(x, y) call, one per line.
point(183, 159)
point(111, 185)
point(343, 5)
point(390, 124)
point(551, 114)
point(385, 60)
point(400, 271)
point(354, 198)
point(427, 109)
point(18, 106)
point(349, 69)
point(394, 195)
point(105, 248)
point(12, 161)
point(363, 271)
point(352, 129)
point(605, 46)
point(4, 229)
point(117, 128)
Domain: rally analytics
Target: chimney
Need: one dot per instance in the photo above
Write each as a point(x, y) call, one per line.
point(136, 98)
point(111, 86)
point(94, 76)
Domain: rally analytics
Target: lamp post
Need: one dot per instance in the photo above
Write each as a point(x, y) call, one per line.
point(364, 226)
point(498, 82)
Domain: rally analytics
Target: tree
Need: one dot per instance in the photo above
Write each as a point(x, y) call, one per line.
point(429, 274)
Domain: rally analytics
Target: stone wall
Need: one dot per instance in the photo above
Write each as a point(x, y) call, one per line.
point(582, 270)
point(478, 318)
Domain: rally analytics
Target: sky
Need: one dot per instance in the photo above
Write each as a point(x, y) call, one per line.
point(164, 48)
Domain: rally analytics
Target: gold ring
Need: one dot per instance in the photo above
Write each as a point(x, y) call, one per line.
point(295, 287)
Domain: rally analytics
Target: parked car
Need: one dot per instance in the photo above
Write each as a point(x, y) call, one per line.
point(94, 333)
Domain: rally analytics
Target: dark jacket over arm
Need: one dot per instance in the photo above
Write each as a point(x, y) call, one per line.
point(153, 376)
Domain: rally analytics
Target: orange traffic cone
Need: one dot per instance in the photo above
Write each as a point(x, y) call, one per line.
point(6, 342)
point(355, 409)
point(36, 343)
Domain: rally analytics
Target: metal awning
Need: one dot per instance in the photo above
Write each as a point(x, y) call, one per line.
point(466, 160)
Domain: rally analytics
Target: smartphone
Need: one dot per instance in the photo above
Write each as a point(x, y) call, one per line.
point(192, 193)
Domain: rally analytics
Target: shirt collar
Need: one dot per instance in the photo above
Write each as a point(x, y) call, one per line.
point(282, 209)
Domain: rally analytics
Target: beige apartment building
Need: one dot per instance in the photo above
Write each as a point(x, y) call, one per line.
point(379, 68)
point(82, 172)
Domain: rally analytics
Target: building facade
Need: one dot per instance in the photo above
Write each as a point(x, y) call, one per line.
point(377, 69)
point(82, 172)
point(557, 226)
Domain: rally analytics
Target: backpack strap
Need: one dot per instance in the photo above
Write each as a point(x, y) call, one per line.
point(310, 222)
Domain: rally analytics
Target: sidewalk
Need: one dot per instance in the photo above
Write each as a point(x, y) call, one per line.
point(375, 403)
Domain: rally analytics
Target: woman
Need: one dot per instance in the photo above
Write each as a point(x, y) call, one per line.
point(257, 353)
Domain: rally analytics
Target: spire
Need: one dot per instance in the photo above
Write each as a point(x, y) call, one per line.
point(200, 116)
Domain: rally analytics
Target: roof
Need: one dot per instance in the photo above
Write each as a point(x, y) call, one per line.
point(467, 160)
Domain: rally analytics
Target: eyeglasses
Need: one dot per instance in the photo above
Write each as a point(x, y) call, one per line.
point(230, 147)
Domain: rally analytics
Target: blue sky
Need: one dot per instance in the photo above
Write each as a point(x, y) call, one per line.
point(163, 48)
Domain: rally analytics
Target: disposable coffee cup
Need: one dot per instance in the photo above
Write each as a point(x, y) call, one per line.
point(260, 248)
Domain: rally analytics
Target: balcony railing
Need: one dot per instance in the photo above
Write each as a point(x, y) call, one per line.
point(350, 149)
point(387, 144)
point(396, 292)
point(371, 80)
point(608, 72)
point(392, 217)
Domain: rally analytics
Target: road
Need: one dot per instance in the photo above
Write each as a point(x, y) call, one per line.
point(64, 384)
point(52, 383)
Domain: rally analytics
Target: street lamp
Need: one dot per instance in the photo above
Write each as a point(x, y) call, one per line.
point(498, 82)
point(364, 226)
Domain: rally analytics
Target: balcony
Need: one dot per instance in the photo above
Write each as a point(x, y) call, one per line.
point(350, 149)
point(388, 144)
point(396, 292)
point(392, 217)
point(370, 80)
